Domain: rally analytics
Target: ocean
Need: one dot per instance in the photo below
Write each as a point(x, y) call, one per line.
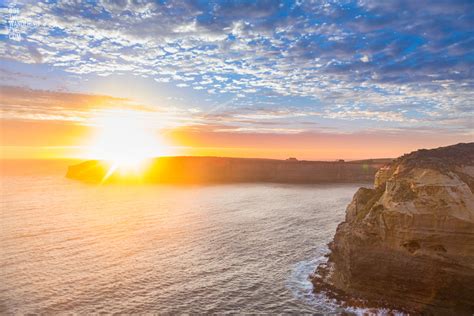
point(70, 247)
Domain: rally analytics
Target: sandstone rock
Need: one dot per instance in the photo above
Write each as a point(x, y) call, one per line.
point(182, 170)
point(409, 242)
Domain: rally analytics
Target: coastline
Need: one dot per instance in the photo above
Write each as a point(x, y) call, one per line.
point(406, 245)
point(191, 170)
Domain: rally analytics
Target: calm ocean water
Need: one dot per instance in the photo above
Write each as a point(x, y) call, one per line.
point(71, 247)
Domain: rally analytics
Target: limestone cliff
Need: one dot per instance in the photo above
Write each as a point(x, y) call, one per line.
point(408, 243)
point(182, 170)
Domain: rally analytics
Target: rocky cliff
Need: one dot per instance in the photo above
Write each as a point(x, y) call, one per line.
point(179, 170)
point(408, 243)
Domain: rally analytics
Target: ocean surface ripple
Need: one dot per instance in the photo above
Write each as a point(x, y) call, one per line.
point(247, 248)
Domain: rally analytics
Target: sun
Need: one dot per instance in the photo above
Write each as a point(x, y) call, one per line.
point(125, 140)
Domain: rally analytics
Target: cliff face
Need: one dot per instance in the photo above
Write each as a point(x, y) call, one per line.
point(409, 242)
point(180, 170)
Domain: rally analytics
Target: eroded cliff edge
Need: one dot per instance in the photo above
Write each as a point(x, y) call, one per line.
point(408, 243)
point(183, 170)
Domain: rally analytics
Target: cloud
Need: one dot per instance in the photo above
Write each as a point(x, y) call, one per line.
point(19, 103)
point(396, 61)
point(365, 59)
point(309, 145)
point(38, 118)
point(35, 54)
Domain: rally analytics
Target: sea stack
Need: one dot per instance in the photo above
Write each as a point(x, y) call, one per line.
point(408, 243)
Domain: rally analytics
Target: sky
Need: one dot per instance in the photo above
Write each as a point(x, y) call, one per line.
point(270, 79)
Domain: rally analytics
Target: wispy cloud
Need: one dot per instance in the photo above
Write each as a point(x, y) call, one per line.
point(410, 63)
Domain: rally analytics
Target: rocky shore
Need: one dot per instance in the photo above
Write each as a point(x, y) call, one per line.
point(408, 243)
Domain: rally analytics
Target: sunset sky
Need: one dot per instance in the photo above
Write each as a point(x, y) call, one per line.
point(306, 79)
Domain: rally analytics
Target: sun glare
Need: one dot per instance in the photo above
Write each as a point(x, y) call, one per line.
point(124, 140)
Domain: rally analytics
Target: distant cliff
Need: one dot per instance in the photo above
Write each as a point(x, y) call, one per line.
point(182, 170)
point(409, 242)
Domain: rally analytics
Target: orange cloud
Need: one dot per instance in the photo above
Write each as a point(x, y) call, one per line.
point(20, 103)
point(309, 145)
point(48, 124)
